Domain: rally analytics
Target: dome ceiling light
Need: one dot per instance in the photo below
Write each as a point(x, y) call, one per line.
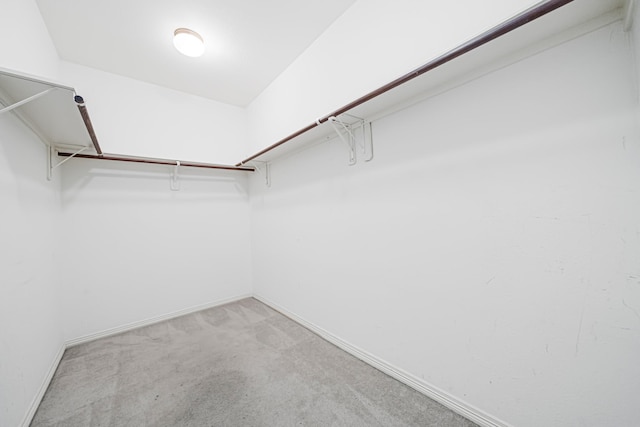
point(188, 42)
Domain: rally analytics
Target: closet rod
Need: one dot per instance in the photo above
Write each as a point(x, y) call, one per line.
point(154, 161)
point(507, 26)
point(87, 122)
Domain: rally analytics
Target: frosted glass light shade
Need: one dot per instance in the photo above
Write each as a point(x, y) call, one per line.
point(188, 42)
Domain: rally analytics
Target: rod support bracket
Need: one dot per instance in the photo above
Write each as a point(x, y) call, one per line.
point(26, 100)
point(51, 165)
point(344, 132)
point(266, 169)
point(357, 133)
point(174, 183)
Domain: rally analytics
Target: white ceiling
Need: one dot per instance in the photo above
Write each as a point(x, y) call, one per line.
point(248, 42)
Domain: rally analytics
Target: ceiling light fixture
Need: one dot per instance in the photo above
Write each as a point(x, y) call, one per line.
point(188, 42)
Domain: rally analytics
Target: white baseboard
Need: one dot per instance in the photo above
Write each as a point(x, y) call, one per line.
point(458, 406)
point(112, 331)
point(150, 321)
point(35, 403)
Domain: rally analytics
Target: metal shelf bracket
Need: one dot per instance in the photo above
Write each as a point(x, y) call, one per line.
point(367, 148)
point(51, 154)
point(26, 100)
point(344, 132)
point(348, 133)
point(266, 169)
point(174, 183)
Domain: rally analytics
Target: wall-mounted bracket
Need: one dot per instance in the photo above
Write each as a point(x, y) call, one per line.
point(174, 183)
point(344, 132)
point(367, 135)
point(266, 167)
point(267, 174)
point(26, 100)
point(354, 134)
point(51, 155)
point(363, 131)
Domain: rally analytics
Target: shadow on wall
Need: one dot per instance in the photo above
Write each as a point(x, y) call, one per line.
point(124, 181)
point(26, 157)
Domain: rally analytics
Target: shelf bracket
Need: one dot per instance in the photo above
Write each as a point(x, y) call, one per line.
point(267, 171)
point(350, 135)
point(347, 136)
point(367, 132)
point(267, 174)
point(174, 184)
point(51, 154)
point(29, 99)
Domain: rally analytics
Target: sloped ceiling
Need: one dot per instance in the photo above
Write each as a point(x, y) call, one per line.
point(248, 42)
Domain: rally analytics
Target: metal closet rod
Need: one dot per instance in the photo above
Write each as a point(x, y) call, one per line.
point(497, 31)
point(87, 122)
point(154, 161)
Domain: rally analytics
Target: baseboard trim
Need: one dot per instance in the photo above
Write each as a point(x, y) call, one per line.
point(457, 405)
point(35, 403)
point(28, 418)
point(150, 321)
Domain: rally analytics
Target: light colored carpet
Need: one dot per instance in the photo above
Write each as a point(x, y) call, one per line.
point(241, 364)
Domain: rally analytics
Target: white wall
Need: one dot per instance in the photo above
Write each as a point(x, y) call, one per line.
point(130, 117)
point(164, 251)
point(128, 270)
point(136, 118)
point(490, 249)
point(635, 35)
point(30, 325)
point(344, 62)
point(135, 250)
point(35, 52)
point(503, 252)
point(151, 251)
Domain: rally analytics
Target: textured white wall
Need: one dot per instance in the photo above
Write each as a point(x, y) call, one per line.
point(30, 326)
point(136, 250)
point(503, 251)
point(635, 34)
point(25, 44)
point(204, 259)
point(490, 249)
point(344, 62)
point(136, 118)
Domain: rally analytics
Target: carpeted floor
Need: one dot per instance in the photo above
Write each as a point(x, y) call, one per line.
point(241, 364)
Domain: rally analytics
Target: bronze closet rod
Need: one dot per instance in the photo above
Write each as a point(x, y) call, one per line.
point(153, 161)
point(87, 122)
point(500, 30)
